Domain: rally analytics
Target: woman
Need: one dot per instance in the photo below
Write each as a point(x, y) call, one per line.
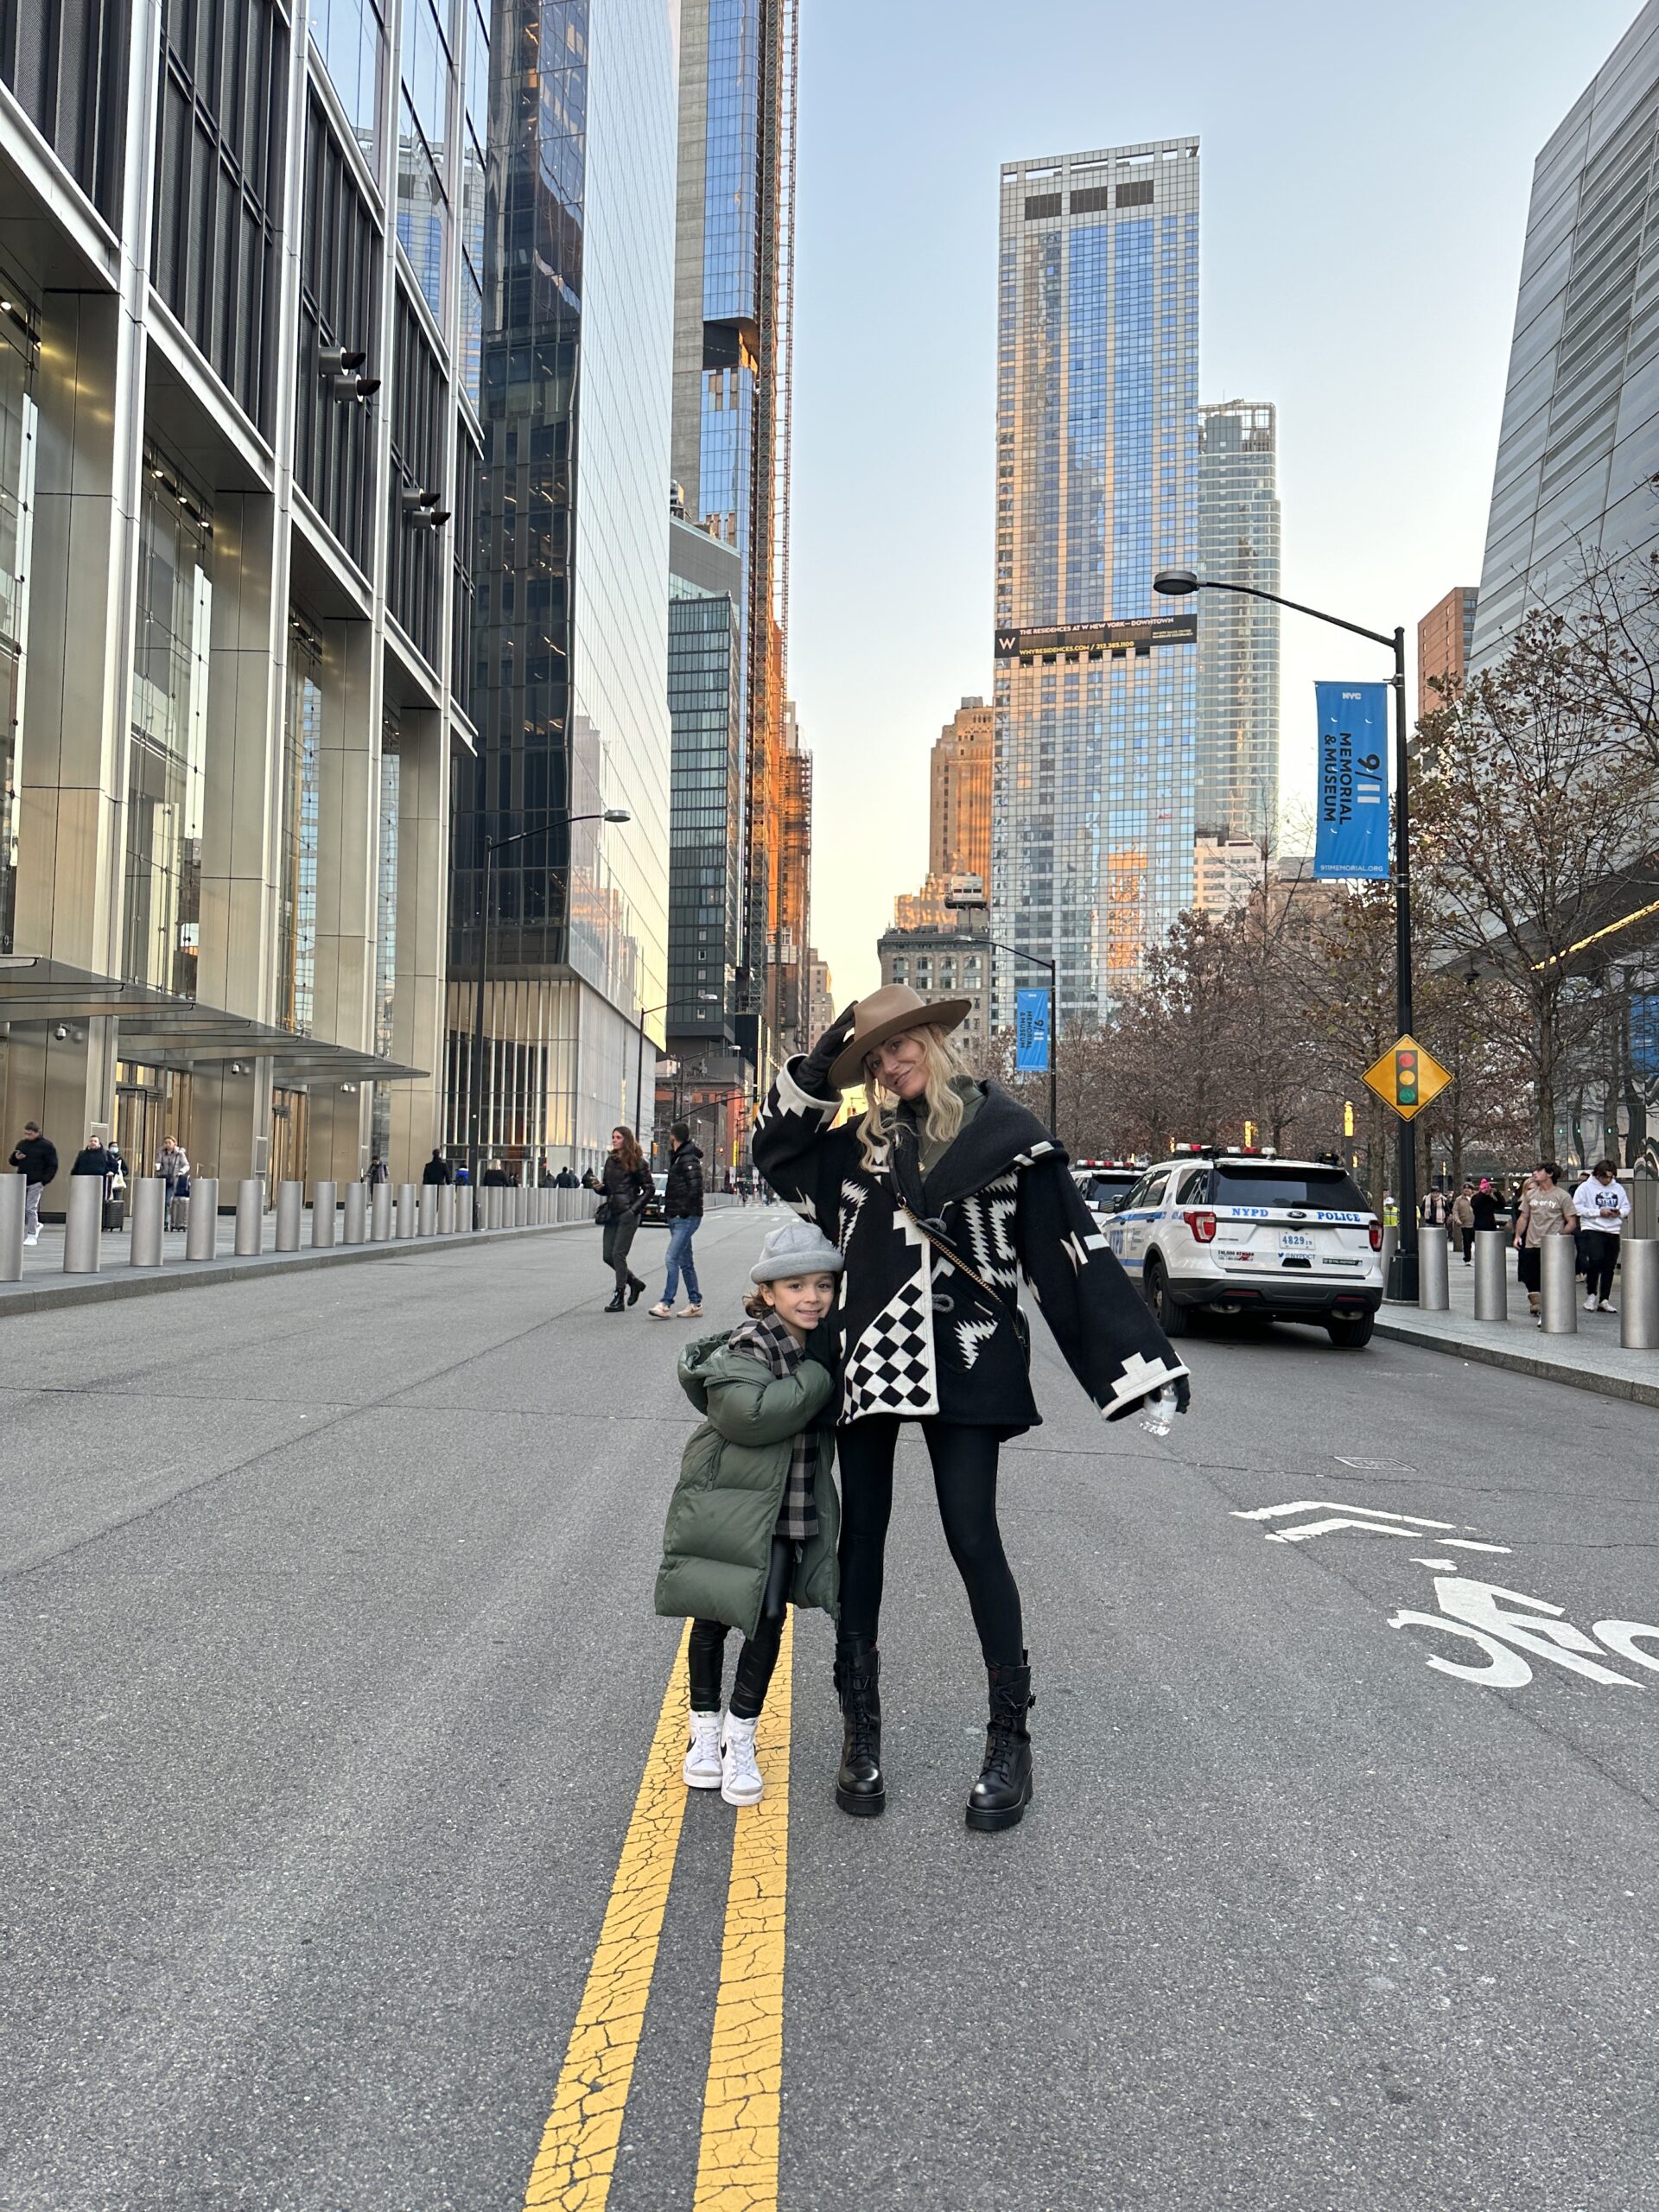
point(1483, 1206)
point(1463, 1220)
point(627, 1188)
point(1544, 1211)
point(940, 1197)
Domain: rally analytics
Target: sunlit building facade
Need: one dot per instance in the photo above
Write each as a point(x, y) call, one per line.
point(237, 443)
point(958, 814)
point(1096, 488)
point(1235, 765)
point(571, 570)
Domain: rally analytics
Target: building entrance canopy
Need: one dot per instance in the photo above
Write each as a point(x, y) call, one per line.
point(159, 1031)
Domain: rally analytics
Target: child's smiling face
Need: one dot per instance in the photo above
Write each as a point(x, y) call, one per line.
point(801, 1301)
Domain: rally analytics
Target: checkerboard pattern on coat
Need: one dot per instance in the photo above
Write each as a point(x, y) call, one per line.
point(891, 1370)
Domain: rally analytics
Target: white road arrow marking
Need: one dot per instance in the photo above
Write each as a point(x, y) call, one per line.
point(1338, 1505)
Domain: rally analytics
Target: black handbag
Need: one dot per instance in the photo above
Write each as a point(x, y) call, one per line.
point(603, 1217)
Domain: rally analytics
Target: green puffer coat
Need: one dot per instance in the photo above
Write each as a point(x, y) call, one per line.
point(718, 1541)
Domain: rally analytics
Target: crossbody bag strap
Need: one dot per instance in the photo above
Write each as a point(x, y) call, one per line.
point(956, 1261)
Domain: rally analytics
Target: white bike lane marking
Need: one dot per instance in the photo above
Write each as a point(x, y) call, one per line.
point(1509, 1628)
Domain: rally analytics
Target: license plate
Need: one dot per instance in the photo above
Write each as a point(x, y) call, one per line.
point(1291, 1240)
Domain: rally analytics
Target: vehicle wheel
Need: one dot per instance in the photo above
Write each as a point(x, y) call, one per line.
point(1174, 1320)
point(1349, 1331)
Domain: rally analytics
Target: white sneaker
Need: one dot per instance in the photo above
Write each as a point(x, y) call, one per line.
point(661, 1311)
point(35, 1239)
point(740, 1778)
point(702, 1769)
point(1589, 1305)
point(1608, 1306)
point(691, 1312)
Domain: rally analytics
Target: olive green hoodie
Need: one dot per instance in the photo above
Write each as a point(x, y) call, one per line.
point(717, 1544)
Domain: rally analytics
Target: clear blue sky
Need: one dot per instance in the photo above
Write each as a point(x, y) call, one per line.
point(1334, 138)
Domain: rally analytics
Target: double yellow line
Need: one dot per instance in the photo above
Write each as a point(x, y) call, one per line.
point(737, 2165)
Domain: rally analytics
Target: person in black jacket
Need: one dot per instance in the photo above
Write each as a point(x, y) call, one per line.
point(35, 1159)
point(944, 1194)
point(628, 1189)
point(682, 1211)
point(437, 1169)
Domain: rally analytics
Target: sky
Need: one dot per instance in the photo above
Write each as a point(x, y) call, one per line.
point(1366, 172)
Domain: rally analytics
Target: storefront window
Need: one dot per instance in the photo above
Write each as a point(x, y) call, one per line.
point(167, 755)
point(296, 967)
point(386, 931)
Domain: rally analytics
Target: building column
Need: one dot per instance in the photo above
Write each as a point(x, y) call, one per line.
point(348, 813)
point(418, 1000)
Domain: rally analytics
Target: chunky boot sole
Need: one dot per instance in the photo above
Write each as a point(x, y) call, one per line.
point(862, 1807)
point(1004, 1816)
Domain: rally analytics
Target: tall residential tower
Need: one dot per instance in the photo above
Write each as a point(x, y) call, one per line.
point(1096, 488)
point(1235, 774)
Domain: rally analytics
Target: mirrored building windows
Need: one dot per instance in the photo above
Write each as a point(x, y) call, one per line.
point(423, 193)
point(350, 39)
point(475, 136)
point(1236, 764)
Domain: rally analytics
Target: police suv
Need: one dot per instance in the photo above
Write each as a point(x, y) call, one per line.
point(1105, 1184)
point(1244, 1232)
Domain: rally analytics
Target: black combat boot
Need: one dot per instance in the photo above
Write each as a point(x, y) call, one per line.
point(860, 1788)
point(615, 1306)
point(999, 1798)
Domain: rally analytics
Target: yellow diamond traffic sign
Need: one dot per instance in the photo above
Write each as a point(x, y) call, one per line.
point(1407, 1078)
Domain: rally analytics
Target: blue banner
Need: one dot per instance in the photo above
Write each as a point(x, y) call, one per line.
point(1030, 1032)
point(1351, 804)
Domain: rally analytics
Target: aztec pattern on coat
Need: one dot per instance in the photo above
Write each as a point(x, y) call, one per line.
point(918, 1335)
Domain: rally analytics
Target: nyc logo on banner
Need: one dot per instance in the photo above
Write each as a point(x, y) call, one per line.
point(1351, 833)
point(1031, 1032)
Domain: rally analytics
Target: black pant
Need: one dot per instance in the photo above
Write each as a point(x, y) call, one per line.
point(615, 1239)
point(1599, 1253)
point(759, 1654)
point(1468, 1236)
point(964, 1480)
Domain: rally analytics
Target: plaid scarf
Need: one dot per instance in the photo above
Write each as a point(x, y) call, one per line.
point(771, 1342)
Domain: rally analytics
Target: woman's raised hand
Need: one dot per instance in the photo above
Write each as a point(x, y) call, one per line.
point(817, 1064)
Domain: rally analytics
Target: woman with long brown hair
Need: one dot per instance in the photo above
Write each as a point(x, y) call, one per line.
point(940, 1199)
point(627, 1187)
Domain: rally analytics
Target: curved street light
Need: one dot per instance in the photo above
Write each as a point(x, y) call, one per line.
point(1180, 583)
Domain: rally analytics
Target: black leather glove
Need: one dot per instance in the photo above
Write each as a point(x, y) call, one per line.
point(813, 1074)
point(1183, 1393)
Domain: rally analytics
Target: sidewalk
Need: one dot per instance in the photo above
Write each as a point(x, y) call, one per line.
point(1592, 1360)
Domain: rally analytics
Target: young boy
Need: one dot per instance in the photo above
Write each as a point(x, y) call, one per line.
point(755, 1518)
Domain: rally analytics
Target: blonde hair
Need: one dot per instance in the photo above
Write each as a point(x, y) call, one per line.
point(943, 1114)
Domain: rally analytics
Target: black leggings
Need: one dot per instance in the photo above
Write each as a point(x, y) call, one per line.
point(758, 1657)
point(964, 1478)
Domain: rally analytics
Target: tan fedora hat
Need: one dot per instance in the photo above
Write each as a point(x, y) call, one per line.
point(895, 1007)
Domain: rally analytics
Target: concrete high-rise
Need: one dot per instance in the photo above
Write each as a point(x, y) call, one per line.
point(959, 815)
point(238, 447)
point(1096, 488)
point(1445, 637)
point(733, 318)
point(1579, 450)
point(1235, 766)
point(569, 672)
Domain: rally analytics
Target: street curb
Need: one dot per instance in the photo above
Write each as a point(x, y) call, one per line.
point(1520, 1363)
point(197, 1274)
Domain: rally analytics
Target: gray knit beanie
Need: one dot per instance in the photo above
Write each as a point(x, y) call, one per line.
point(799, 1248)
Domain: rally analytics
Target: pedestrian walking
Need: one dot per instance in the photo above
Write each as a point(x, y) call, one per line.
point(35, 1159)
point(437, 1170)
point(1435, 1211)
point(1544, 1209)
point(1603, 1206)
point(627, 1188)
point(1463, 1220)
point(940, 1197)
point(1483, 1204)
point(682, 1210)
point(753, 1525)
point(376, 1173)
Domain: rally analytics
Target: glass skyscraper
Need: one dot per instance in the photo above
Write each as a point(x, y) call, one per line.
point(1096, 488)
point(1579, 445)
point(1236, 769)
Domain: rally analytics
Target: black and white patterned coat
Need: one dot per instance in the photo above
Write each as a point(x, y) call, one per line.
point(918, 1337)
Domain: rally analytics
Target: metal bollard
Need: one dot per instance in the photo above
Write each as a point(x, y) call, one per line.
point(249, 1217)
point(521, 1208)
point(13, 1196)
point(446, 1195)
point(1558, 1286)
point(1491, 1276)
point(380, 1214)
point(290, 1207)
point(357, 1211)
point(149, 1219)
point(1391, 1244)
point(83, 1227)
point(323, 1196)
point(426, 1224)
point(201, 1218)
point(1638, 1293)
point(1433, 1282)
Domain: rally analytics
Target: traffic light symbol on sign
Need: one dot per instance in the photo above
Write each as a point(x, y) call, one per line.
point(1348, 1117)
point(1405, 1077)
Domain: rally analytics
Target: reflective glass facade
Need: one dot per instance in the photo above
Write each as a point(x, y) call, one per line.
point(1235, 768)
point(1580, 444)
point(1096, 486)
point(705, 650)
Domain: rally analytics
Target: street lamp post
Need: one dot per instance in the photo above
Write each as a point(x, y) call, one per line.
point(968, 902)
point(475, 1109)
point(1179, 583)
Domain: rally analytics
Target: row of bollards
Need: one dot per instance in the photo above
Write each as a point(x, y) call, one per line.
point(377, 1215)
point(1558, 1286)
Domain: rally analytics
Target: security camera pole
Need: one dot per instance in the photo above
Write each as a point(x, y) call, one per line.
point(1179, 583)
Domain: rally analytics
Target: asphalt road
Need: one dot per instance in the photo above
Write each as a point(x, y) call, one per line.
point(332, 1678)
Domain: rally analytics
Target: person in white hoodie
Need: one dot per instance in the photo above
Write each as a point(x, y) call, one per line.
point(1603, 1205)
